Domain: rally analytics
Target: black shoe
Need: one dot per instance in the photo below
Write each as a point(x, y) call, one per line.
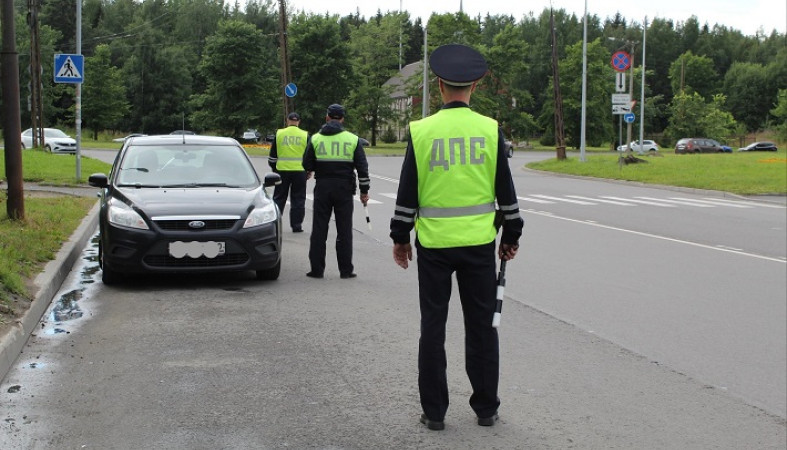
point(348, 275)
point(432, 424)
point(297, 230)
point(488, 421)
point(314, 274)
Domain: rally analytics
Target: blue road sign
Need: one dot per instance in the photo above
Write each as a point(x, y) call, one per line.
point(628, 117)
point(290, 90)
point(69, 68)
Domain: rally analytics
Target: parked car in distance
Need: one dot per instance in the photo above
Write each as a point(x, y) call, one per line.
point(647, 146)
point(364, 142)
point(186, 204)
point(700, 145)
point(509, 148)
point(55, 141)
point(763, 146)
point(179, 132)
point(251, 135)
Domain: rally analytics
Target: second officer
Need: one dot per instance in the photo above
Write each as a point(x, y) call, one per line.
point(334, 155)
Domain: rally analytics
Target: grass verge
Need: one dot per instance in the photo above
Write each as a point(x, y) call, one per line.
point(740, 173)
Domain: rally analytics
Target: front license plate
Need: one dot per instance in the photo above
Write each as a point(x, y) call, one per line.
point(195, 249)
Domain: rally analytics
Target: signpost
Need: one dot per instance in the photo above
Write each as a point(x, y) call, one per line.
point(621, 61)
point(628, 117)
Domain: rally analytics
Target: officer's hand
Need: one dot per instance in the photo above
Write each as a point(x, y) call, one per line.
point(364, 199)
point(402, 253)
point(309, 175)
point(507, 252)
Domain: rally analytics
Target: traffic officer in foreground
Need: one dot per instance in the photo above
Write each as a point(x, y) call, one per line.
point(334, 155)
point(454, 169)
point(286, 158)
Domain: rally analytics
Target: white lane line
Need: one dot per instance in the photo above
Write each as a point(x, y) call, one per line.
point(534, 200)
point(644, 202)
point(611, 202)
point(745, 202)
point(711, 202)
point(781, 259)
point(559, 199)
point(677, 202)
point(390, 195)
point(380, 177)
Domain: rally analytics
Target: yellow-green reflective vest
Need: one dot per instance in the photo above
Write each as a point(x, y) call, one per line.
point(456, 158)
point(290, 145)
point(338, 147)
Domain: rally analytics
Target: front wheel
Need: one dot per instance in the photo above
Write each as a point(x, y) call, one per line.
point(108, 276)
point(48, 148)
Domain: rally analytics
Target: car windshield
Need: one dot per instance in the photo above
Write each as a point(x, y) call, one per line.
point(54, 133)
point(186, 166)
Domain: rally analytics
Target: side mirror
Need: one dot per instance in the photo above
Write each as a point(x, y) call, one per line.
point(272, 179)
point(98, 180)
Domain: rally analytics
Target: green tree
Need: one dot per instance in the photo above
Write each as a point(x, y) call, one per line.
point(234, 99)
point(103, 94)
point(503, 93)
point(693, 73)
point(598, 118)
point(320, 65)
point(693, 116)
point(780, 114)
point(748, 97)
point(375, 49)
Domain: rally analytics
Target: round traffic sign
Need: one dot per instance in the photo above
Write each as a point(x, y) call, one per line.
point(621, 61)
point(290, 90)
point(628, 117)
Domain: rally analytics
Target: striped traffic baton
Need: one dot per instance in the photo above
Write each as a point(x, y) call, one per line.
point(501, 287)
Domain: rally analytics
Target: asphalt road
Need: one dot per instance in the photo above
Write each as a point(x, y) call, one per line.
point(636, 326)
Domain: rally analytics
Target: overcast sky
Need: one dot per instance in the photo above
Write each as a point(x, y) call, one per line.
point(747, 16)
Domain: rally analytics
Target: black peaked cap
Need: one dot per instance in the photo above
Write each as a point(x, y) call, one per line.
point(458, 65)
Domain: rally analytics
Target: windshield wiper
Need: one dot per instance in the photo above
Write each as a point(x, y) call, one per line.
point(197, 185)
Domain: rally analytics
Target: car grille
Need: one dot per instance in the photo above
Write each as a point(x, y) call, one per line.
point(230, 259)
point(182, 225)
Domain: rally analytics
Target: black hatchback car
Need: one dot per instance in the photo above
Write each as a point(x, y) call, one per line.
point(186, 204)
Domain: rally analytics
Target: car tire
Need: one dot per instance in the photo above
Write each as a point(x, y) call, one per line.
point(48, 148)
point(108, 276)
point(270, 274)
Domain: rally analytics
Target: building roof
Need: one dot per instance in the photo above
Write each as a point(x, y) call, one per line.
point(399, 81)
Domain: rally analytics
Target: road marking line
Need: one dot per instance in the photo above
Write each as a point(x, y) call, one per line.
point(558, 199)
point(611, 202)
point(639, 201)
point(744, 202)
point(678, 202)
point(711, 202)
point(534, 200)
point(780, 259)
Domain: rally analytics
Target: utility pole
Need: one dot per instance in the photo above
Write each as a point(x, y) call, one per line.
point(35, 103)
point(560, 141)
point(286, 75)
point(9, 78)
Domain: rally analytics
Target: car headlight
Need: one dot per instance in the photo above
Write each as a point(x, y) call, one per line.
point(261, 215)
point(122, 215)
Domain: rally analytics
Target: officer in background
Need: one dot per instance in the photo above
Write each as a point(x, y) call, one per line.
point(286, 158)
point(334, 155)
point(454, 169)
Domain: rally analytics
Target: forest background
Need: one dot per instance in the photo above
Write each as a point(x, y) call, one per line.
point(206, 65)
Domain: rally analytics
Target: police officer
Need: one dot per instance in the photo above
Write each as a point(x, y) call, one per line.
point(286, 158)
point(454, 169)
point(334, 155)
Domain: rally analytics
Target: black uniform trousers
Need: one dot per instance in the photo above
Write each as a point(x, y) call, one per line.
point(294, 184)
point(475, 273)
point(332, 195)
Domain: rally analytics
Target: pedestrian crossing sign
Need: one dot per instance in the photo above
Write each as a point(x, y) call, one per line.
point(69, 68)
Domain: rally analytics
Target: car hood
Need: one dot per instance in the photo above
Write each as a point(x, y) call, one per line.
point(60, 140)
point(195, 201)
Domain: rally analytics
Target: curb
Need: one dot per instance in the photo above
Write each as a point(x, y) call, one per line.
point(48, 283)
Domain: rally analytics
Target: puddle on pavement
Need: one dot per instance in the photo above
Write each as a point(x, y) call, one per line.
point(66, 307)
